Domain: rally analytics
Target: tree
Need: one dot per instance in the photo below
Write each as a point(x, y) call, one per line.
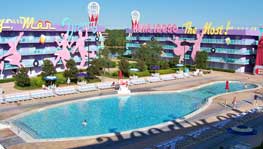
point(201, 59)
point(164, 64)
point(115, 38)
point(95, 68)
point(48, 69)
point(21, 78)
point(141, 65)
point(71, 71)
point(124, 67)
point(105, 53)
point(150, 53)
point(174, 61)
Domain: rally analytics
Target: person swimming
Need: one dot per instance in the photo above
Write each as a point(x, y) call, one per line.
point(245, 85)
point(84, 123)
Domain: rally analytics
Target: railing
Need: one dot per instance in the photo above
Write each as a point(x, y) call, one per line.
point(232, 41)
point(51, 39)
point(229, 60)
point(230, 51)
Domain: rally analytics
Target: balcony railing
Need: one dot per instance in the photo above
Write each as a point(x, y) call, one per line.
point(230, 51)
point(241, 61)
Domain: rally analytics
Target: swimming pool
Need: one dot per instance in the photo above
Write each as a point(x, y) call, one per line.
point(118, 113)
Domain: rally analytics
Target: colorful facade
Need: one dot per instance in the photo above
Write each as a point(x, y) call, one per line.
point(26, 42)
point(228, 48)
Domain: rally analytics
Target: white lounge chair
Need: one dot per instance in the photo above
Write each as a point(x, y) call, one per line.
point(105, 85)
point(187, 75)
point(87, 87)
point(167, 77)
point(137, 81)
point(2, 100)
point(179, 76)
point(42, 94)
point(65, 90)
point(153, 79)
point(196, 72)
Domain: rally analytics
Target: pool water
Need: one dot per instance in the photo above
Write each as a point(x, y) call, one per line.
point(118, 113)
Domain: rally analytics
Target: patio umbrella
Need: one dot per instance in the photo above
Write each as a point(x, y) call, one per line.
point(50, 78)
point(82, 75)
point(179, 65)
point(120, 75)
point(227, 85)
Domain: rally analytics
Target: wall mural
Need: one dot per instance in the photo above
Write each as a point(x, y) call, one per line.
point(179, 50)
point(12, 55)
point(80, 45)
point(63, 54)
point(49, 44)
point(197, 44)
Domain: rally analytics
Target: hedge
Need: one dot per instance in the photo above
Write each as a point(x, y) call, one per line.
point(7, 80)
point(224, 70)
point(166, 71)
point(140, 74)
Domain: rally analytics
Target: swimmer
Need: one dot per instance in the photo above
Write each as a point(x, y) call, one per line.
point(84, 123)
point(245, 85)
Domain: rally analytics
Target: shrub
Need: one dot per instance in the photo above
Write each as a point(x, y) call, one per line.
point(60, 79)
point(141, 65)
point(7, 80)
point(112, 64)
point(201, 59)
point(166, 71)
point(114, 74)
point(164, 64)
point(141, 74)
point(174, 61)
point(132, 65)
point(124, 67)
point(22, 78)
point(224, 70)
point(36, 82)
point(71, 71)
point(48, 69)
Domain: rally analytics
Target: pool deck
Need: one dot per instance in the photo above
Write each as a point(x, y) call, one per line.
point(137, 139)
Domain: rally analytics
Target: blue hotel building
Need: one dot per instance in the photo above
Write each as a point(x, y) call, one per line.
point(235, 51)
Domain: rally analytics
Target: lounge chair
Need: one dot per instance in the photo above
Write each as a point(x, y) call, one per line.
point(105, 85)
point(65, 90)
point(42, 94)
point(153, 79)
point(137, 81)
point(167, 77)
point(2, 100)
point(179, 76)
point(87, 87)
point(187, 75)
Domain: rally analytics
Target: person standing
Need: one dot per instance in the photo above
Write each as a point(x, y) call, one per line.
point(234, 102)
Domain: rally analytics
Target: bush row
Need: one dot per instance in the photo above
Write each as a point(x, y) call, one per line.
point(224, 70)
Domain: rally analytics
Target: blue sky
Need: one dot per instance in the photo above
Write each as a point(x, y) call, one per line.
point(116, 13)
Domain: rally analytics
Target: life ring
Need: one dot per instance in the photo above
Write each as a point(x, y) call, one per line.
point(97, 38)
point(213, 50)
point(36, 63)
point(152, 39)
